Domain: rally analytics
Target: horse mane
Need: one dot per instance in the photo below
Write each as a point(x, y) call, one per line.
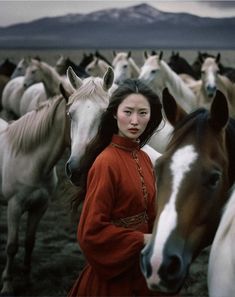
point(32, 129)
point(92, 88)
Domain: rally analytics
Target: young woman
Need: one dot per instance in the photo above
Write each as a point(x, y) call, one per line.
point(117, 184)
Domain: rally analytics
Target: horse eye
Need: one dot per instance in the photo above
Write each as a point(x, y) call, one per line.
point(153, 71)
point(124, 66)
point(213, 179)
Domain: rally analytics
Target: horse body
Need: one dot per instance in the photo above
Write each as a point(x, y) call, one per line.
point(41, 137)
point(193, 174)
point(124, 67)
point(222, 256)
point(11, 95)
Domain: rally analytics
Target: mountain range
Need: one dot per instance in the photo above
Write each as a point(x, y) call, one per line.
point(140, 27)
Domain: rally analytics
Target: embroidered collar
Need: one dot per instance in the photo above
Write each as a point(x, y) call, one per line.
point(124, 143)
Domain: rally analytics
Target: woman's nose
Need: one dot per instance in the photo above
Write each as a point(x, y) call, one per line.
point(134, 119)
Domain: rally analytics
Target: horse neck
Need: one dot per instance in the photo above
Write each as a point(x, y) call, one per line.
point(183, 95)
point(135, 70)
point(51, 80)
point(58, 137)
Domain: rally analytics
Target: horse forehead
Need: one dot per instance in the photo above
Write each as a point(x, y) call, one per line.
point(86, 108)
point(181, 161)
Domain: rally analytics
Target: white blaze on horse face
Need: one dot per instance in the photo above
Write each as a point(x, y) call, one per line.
point(182, 161)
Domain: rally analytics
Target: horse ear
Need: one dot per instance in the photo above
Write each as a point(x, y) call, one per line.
point(219, 113)
point(75, 81)
point(146, 55)
point(108, 79)
point(217, 59)
point(114, 53)
point(129, 55)
point(160, 55)
point(174, 113)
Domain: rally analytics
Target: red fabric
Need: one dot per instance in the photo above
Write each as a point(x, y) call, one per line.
point(112, 253)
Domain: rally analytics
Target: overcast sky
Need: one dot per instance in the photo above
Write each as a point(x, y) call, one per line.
point(12, 12)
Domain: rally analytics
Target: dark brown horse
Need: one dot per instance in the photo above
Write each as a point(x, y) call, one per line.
point(194, 175)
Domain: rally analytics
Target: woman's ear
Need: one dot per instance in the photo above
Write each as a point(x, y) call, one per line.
point(115, 116)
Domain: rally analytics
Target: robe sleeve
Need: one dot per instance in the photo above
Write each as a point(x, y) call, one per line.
point(110, 250)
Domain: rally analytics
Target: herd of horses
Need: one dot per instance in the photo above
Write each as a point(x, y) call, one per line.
point(60, 106)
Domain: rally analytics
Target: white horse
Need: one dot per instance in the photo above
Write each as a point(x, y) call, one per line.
point(97, 67)
point(210, 82)
point(46, 84)
point(29, 150)
point(157, 74)
point(12, 94)
point(124, 67)
point(221, 267)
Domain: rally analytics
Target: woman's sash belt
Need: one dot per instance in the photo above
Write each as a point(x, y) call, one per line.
point(133, 221)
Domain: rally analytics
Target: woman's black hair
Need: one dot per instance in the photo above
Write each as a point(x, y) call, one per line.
point(108, 127)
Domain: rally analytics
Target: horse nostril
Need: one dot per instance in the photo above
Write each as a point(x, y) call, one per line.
point(171, 269)
point(174, 266)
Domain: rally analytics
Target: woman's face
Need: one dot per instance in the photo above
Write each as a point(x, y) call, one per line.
point(133, 115)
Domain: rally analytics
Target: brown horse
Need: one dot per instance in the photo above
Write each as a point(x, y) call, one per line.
point(194, 175)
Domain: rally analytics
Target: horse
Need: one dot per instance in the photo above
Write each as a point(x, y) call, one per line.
point(229, 72)
point(7, 67)
point(42, 82)
point(21, 67)
point(181, 66)
point(124, 67)
point(30, 148)
point(157, 74)
point(97, 67)
point(12, 94)
point(63, 63)
point(211, 80)
point(221, 257)
point(193, 176)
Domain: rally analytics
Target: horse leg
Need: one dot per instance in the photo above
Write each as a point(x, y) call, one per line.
point(14, 212)
point(36, 211)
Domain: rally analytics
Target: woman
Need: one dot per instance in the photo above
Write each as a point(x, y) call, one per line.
point(117, 184)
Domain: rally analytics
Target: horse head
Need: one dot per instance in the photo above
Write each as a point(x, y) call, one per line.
point(86, 105)
point(193, 177)
point(209, 74)
point(150, 72)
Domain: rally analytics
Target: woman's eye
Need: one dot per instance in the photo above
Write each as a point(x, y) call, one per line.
point(127, 112)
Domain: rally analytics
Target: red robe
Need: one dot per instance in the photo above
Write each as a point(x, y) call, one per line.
point(115, 191)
